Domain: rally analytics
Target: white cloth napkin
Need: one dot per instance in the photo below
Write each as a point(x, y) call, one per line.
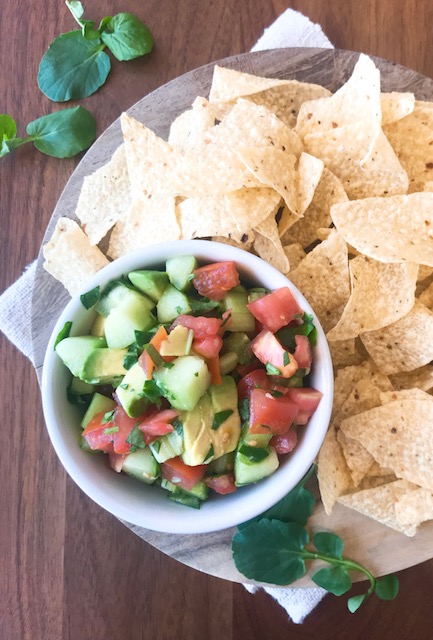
point(291, 29)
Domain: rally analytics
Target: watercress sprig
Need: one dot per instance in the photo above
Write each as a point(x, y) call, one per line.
point(76, 65)
point(275, 547)
point(61, 134)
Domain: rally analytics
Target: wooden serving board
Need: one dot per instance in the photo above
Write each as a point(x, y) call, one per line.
point(378, 547)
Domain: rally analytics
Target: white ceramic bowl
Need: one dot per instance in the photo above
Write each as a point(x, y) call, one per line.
point(148, 506)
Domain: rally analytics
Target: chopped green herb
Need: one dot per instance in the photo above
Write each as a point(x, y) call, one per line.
point(202, 305)
point(89, 299)
point(221, 417)
point(151, 391)
point(190, 277)
point(254, 454)
point(244, 409)
point(108, 417)
point(124, 385)
point(156, 444)
point(226, 319)
point(154, 355)
point(179, 309)
point(136, 439)
point(144, 337)
point(271, 370)
point(63, 333)
point(210, 454)
point(111, 430)
point(168, 365)
point(306, 328)
point(131, 356)
point(178, 426)
point(276, 394)
point(196, 374)
point(286, 358)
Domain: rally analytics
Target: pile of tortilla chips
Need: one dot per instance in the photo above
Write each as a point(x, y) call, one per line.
point(335, 190)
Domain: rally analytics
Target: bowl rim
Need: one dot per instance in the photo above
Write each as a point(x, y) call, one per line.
point(266, 492)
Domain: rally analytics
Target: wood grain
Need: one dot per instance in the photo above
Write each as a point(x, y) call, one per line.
point(69, 571)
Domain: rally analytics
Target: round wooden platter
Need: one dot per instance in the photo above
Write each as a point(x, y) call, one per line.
point(378, 547)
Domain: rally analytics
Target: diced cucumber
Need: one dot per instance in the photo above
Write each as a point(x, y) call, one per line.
point(185, 382)
point(123, 321)
point(74, 351)
point(168, 446)
point(98, 404)
point(255, 439)
point(152, 283)
point(248, 472)
point(200, 490)
point(228, 362)
point(129, 391)
point(179, 270)
point(172, 304)
point(142, 465)
point(241, 318)
point(256, 293)
point(223, 464)
point(119, 295)
point(80, 392)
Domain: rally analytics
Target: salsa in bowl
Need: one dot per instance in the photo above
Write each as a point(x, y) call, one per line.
point(199, 373)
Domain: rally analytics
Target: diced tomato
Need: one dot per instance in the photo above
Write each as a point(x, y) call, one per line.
point(285, 442)
point(125, 425)
point(269, 414)
point(98, 435)
point(146, 362)
point(222, 484)
point(307, 400)
point(275, 309)
point(208, 347)
point(224, 321)
point(254, 379)
point(267, 348)
point(303, 352)
point(214, 280)
point(243, 369)
point(181, 474)
point(116, 461)
point(158, 424)
point(213, 364)
point(203, 327)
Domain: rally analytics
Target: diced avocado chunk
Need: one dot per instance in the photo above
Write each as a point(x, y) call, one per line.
point(119, 294)
point(98, 404)
point(168, 446)
point(197, 437)
point(74, 351)
point(241, 318)
point(142, 465)
point(179, 270)
point(98, 326)
point(226, 426)
point(184, 383)
point(256, 293)
point(178, 342)
point(228, 362)
point(124, 320)
point(80, 392)
point(152, 283)
point(255, 439)
point(172, 303)
point(129, 392)
point(240, 343)
point(248, 472)
point(104, 366)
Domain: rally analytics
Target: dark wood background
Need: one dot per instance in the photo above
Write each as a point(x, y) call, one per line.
point(68, 570)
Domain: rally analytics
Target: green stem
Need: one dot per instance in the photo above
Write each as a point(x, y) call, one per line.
point(349, 565)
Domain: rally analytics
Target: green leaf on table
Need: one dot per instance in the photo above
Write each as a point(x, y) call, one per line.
point(64, 133)
point(8, 127)
point(355, 602)
point(73, 67)
point(270, 551)
point(387, 587)
point(336, 580)
point(329, 543)
point(296, 506)
point(126, 36)
point(76, 8)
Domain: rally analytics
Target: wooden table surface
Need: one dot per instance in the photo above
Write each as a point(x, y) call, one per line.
point(68, 570)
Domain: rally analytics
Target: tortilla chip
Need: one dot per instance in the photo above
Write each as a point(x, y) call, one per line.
point(328, 192)
point(381, 294)
point(267, 244)
point(395, 229)
point(294, 254)
point(325, 264)
point(69, 256)
point(246, 246)
point(358, 99)
point(414, 507)
point(344, 353)
point(104, 197)
point(229, 84)
point(358, 459)
point(421, 378)
point(310, 171)
point(362, 158)
point(405, 345)
point(379, 503)
point(332, 471)
point(396, 106)
point(189, 126)
point(147, 221)
point(397, 435)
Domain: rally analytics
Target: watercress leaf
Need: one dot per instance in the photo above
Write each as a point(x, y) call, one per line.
point(104, 22)
point(76, 8)
point(127, 37)
point(64, 133)
point(336, 580)
point(10, 144)
point(8, 127)
point(73, 67)
point(329, 543)
point(89, 32)
point(355, 602)
point(387, 587)
point(296, 506)
point(270, 551)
